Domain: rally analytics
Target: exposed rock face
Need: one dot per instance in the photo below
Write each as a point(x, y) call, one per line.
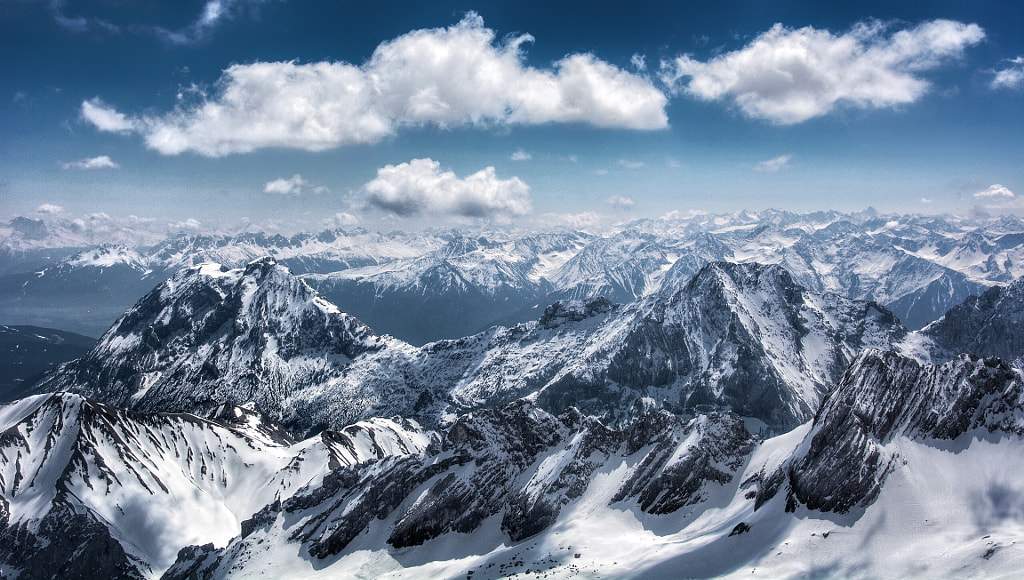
point(988, 325)
point(64, 544)
point(847, 455)
point(740, 337)
point(516, 462)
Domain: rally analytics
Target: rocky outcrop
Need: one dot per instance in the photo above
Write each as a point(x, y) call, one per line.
point(517, 464)
point(991, 324)
point(847, 455)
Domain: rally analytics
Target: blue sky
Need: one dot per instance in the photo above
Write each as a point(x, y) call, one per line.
point(301, 115)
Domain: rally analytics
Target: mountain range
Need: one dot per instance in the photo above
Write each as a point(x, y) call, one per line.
point(425, 286)
point(724, 417)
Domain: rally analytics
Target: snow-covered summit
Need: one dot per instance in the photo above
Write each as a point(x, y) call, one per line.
point(212, 335)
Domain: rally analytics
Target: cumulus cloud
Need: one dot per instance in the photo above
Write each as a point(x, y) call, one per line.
point(628, 164)
point(620, 202)
point(787, 75)
point(49, 208)
point(341, 220)
point(1011, 77)
point(101, 162)
point(294, 185)
point(446, 77)
point(106, 118)
point(189, 225)
point(925, 200)
point(521, 155)
point(773, 165)
point(420, 186)
point(996, 192)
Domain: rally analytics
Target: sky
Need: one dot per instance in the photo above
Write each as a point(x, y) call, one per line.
point(300, 115)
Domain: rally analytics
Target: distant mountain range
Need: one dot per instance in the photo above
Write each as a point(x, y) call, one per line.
point(447, 284)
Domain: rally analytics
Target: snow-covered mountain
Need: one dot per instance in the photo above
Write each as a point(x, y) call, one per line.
point(884, 399)
point(456, 290)
point(986, 325)
point(90, 489)
point(599, 439)
point(869, 487)
point(740, 337)
point(250, 335)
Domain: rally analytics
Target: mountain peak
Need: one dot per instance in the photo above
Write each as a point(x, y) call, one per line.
point(211, 335)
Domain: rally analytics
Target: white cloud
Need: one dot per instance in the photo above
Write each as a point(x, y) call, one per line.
point(925, 200)
point(601, 171)
point(419, 187)
point(521, 155)
point(189, 225)
point(49, 208)
point(787, 76)
point(996, 192)
point(105, 118)
point(773, 165)
point(213, 13)
point(294, 185)
point(587, 219)
point(341, 220)
point(101, 162)
point(628, 164)
point(79, 24)
point(620, 202)
point(1012, 77)
point(683, 215)
point(446, 77)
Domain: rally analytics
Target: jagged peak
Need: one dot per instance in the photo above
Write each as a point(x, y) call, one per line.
point(746, 275)
point(564, 311)
point(261, 265)
point(894, 394)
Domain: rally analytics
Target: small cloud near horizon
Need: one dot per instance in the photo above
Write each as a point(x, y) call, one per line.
point(294, 186)
point(996, 192)
point(341, 219)
point(773, 165)
point(620, 202)
point(49, 209)
point(101, 162)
